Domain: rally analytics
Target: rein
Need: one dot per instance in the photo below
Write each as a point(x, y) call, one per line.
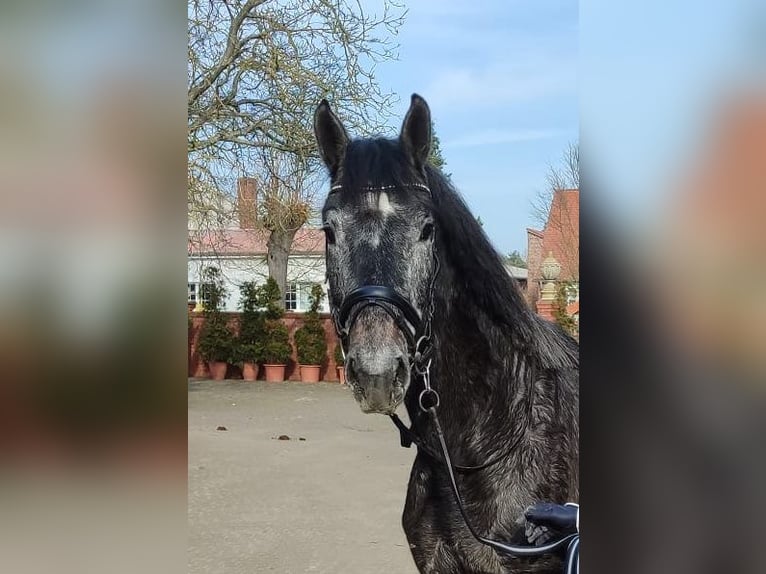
point(417, 331)
point(572, 541)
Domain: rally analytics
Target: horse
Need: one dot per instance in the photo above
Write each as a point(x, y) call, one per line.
point(428, 313)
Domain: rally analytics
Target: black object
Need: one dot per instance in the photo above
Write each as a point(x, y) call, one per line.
point(557, 516)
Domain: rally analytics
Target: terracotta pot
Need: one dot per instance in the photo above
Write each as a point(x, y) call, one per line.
point(341, 375)
point(250, 371)
point(275, 373)
point(217, 370)
point(310, 373)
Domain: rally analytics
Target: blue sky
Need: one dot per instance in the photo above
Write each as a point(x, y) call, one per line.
point(500, 77)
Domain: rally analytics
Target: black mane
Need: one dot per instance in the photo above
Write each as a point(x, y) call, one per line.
point(487, 283)
point(376, 162)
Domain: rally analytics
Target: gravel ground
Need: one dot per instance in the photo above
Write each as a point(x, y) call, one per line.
point(329, 503)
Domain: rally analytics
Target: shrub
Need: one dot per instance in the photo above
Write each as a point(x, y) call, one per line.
point(560, 314)
point(212, 291)
point(276, 340)
point(252, 327)
point(272, 300)
point(216, 340)
point(310, 338)
point(277, 349)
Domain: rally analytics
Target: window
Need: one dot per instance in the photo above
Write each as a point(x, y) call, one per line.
point(304, 302)
point(195, 293)
point(291, 297)
point(297, 297)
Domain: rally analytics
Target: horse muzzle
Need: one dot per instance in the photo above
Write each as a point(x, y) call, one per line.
point(378, 386)
point(377, 365)
point(382, 330)
point(382, 398)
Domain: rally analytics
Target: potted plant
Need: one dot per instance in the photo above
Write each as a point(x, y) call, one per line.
point(340, 363)
point(560, 303)
point(310, 340)
point(216, 339)
point(250, 342)
point(276, 338)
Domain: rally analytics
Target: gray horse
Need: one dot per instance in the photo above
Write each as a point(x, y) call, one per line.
point(507, 380)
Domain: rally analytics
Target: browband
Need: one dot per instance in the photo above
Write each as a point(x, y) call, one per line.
point(424, 187)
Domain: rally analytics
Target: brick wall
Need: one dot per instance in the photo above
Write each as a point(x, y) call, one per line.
point(198, 368)
point(534, 261)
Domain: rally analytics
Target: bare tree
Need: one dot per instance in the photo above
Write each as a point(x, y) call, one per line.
point(558, 213)
point(561, 176)
point(287, 195)
point(256, 71)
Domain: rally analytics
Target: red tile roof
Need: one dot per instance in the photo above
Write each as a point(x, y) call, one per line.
point(307, 241)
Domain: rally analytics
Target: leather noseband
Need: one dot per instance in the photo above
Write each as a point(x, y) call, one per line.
point(407, 318)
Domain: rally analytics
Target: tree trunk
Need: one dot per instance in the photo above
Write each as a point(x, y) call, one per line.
point(278, 246)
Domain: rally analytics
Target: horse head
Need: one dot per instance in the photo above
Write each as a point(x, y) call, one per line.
point(380, 234)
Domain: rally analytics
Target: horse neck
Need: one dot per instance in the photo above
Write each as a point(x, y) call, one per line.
point(479, 369)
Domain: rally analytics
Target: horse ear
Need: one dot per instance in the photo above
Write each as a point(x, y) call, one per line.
point(331, 136)
point(416, 130)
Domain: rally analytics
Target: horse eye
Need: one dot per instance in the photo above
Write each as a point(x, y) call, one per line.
point(329, 234)
point(428, 231)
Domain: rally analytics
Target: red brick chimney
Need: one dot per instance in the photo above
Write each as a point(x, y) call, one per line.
point(246, 202)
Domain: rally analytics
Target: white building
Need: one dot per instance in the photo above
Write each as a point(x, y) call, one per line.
point(225, 233)
point(240, 254)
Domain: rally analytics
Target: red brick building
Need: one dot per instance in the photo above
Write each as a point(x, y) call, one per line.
point(560, 237)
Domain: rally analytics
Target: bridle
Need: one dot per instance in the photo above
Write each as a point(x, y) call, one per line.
point(416, 328)
point(417, 331)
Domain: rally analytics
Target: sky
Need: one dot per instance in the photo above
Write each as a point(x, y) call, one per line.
point(500, 78)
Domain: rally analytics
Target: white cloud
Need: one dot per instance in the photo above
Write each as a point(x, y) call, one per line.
point(498, 137)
